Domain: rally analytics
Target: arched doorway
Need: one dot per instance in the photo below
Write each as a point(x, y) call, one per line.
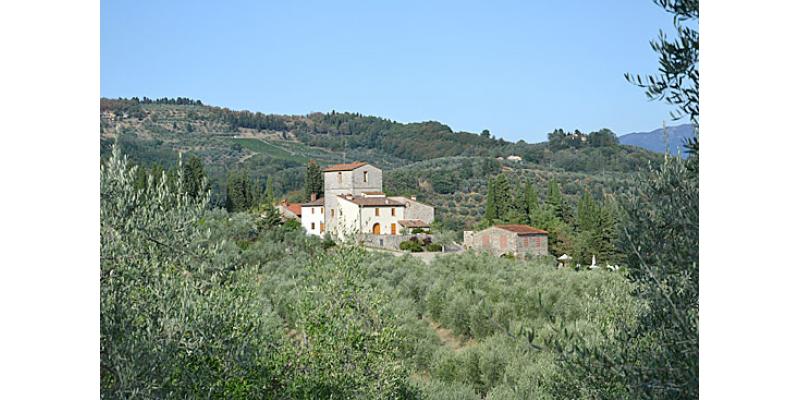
point(376, 229)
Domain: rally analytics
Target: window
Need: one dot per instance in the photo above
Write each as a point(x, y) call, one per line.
point(377, 212)
point(365, 175)
point(393, 211)
point(322, 227)
point(333, 212)
point(339, 177)
point(312, 226)
point(312, 210)
point(394, 227)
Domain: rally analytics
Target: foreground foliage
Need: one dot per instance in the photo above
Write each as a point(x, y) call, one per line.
point(182, 313)
point(206, 303)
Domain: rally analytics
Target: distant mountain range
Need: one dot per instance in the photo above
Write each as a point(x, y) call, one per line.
point(654, 140)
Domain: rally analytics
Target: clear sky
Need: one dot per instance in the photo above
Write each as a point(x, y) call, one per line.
point(517, 68)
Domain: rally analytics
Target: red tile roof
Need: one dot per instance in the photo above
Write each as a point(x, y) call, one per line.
point(413, 223)
point(521, 229)
point(344, 167)
point(373, 201)
point(295, 208)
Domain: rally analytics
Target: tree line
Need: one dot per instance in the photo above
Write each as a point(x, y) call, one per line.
point(586, 230)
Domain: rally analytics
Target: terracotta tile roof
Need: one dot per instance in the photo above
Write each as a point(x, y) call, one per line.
point(413, 223)
point(521, 229)
point(344, 167)
point(372, 201)
point(295, 208)
point(318, 202)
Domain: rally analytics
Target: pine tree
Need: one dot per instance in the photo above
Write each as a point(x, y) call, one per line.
point(313, 182)
point(491, 204)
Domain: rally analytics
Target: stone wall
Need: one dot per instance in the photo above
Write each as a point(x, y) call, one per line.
point(389, 242)
point(500, 241)
point(415, 209)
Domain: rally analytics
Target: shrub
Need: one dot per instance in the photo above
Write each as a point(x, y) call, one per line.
point(433, 247)
point(328, 242)
point(292, 224)
point(411, 245)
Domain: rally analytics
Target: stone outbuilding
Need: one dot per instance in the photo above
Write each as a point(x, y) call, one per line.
point(289, 211)
point(511, 239)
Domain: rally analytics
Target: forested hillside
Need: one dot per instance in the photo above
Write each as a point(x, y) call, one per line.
point(448, 169)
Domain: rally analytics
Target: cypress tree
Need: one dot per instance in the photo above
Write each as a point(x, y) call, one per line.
point(587, 217)
point(531, 202)
point(269, 195)
point(556, 201)
point(607, 233)
point(491, 205)
point(502, 197)
point(313, 181)
point(240, 192)
point(194, 177)
point(140, 182)
point(518, 214)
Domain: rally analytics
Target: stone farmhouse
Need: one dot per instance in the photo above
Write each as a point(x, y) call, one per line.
point(516, 240)
point(354, 204)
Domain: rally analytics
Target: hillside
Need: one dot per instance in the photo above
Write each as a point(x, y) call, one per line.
point(654, 140)
point(445, 168)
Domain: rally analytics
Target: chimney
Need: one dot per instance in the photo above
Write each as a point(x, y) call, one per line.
point(414, 198)
point(313, 196)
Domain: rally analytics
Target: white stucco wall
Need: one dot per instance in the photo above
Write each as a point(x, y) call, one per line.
point(346, 220)
point(317, 217)
point(385, 219)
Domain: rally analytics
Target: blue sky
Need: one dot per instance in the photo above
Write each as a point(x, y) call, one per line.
point(517, 68)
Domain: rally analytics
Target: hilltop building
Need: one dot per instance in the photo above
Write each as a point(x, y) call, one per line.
point(354, 203)
point(508, 239)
